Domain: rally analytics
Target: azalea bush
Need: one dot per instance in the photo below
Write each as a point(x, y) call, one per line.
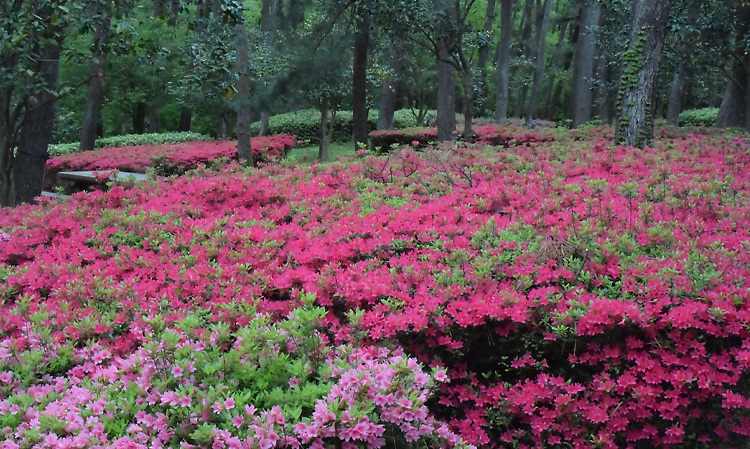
point(130, 140)
point(305, 124)
point(262, 385)
point(496, 135)
point(168, 159)
point(576, 293)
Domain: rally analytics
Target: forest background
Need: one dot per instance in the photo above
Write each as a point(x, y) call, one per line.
point(76, 70)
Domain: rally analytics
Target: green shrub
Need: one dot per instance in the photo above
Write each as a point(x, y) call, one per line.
point(699, 117)
point(305, 124)
point(382, 141)
point(130, 140)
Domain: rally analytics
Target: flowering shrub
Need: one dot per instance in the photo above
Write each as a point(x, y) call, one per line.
point(265, 385)
point(129, 140)
point(382, 141)
point(167, 159)
point(507, 136)
point(578, 293)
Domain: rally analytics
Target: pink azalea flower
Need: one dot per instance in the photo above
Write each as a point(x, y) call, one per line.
point(229, 403)
point(238, 420)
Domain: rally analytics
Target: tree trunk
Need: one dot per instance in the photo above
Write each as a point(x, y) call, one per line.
point(541, 40)
point(36, 132)
point(635, 126)
point(527, 49)
point(174, 13)
point(186, 118)
point(7, 131)
point(95, 97)
point(325, 134)
point(264, 123)
point(502, 75)
point(201, 16)
point(391, 88)
point(484, 51)
point(675, 95)
point(554, 64)
point(467, 78)
point(139, 118)
point(446, 94)
point(269, 24)
point(359, 81)
point(732, 112)
point(154, 121)
point(158, 8)
point(244, 150)
point(583, 67)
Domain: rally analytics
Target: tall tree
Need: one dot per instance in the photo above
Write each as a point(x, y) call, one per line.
point(101, 12)
point(583, 67)
point(502, 75)
point(31, 31)
point(36, 132)
point(359, 74)
point(733, 111)
point(269, 25)
point(538, 60)
point(391, 85)
point(526, 48)
point(635, 125)
point(242, 62)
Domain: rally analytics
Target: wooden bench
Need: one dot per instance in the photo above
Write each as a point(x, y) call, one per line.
point(88, 177)
point(55, 195)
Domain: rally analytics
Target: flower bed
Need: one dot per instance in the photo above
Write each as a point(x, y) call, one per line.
point(506, 136)
point(168, 159)
point(577, 294)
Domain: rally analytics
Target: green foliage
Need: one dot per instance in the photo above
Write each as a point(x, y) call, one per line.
point(130, 140)
point(305, 124)
point(699, 117)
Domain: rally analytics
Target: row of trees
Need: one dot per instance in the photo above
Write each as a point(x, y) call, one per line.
point(75, 69)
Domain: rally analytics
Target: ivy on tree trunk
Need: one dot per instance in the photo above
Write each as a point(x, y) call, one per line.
point(635, 125)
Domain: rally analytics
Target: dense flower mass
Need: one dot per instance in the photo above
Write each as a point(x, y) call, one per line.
point(175, 158)
point(579, 294)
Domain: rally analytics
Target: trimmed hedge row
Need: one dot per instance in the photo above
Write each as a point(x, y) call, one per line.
point(699, 117)
point(506, 136)
point(130, 140)
point(305, 124)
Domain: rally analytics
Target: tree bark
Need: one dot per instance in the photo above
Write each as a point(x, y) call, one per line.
point(484, 50)
point(539, 61)
point(264, 123)
point(502, 76)
point(635, 125)
point(554, 64)
point(732, 112)
point(446, 94)
point(269, 24)
point(36, 132)
point(7, 130)
point(675, 95)
point(391, 87)
point(526, 41)
point(583, 67)
point(359, 81)
point(95, 96)
point(244, 150)
point(139, 118)
point(154, 121)
point(326, 131)
point(467, 78)
point(186, 118)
